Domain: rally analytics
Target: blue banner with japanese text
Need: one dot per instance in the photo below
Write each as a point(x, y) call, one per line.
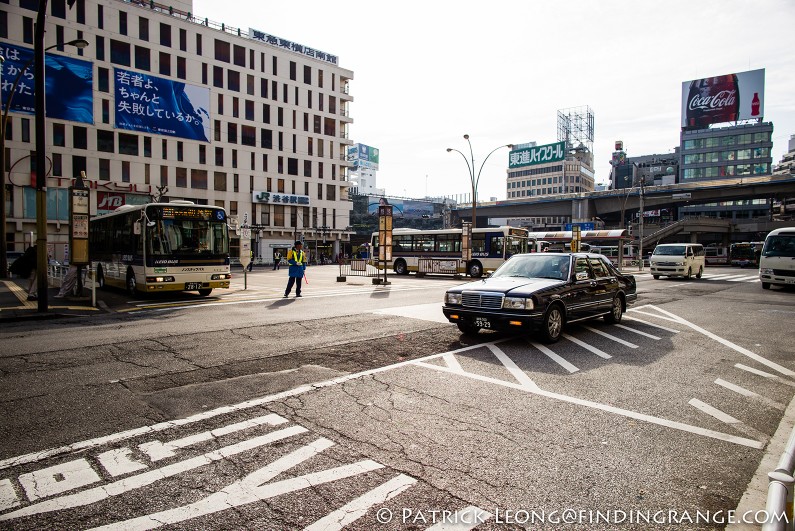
point(68, 84)
point(152, 104)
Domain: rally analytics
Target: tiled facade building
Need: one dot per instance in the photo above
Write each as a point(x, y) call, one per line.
point(267, 141)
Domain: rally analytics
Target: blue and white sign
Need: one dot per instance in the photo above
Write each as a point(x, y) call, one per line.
point(68, 84)
point(583, 226)
point(152, 104)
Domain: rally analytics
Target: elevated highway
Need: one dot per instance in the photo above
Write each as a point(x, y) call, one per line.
point(607, 205)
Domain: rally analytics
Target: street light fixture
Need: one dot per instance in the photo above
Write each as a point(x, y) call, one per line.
point(78, 43)
point(475, 179)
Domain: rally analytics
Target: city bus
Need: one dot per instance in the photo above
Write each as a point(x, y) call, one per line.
point(490, 248)
point(176, 246)
point(745, 254)
point(590, 241)
point(716, 254)
point(611, 252)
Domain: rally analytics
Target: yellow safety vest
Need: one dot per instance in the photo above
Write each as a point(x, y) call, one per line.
point(299, 258)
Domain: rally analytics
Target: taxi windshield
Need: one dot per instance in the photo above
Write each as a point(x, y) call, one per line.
point(537, 265)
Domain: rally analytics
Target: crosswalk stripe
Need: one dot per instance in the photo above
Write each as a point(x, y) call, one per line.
point(745, 279)
point(644, 334)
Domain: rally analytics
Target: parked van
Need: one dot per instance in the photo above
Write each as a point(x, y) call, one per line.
point(677, 260)
point(777, 262)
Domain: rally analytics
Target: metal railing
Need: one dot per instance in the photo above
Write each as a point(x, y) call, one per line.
point(56, 276)
point(444, 266)
point(357, 267)
point(780, 490)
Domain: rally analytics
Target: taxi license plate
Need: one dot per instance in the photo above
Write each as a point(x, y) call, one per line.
point(482, 322)
point(193, 285)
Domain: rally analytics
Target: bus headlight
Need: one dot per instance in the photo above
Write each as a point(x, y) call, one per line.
point(766, 271)
point(452, 298)
point(222, 276)
point(517, 303)
point(160, 279)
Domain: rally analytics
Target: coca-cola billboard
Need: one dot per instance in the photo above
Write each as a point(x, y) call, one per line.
point(726, 98)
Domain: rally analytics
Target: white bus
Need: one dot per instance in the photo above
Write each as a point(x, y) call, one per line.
point(176, 246)
point(490, 248)
point(716, 254)
point(611, 252)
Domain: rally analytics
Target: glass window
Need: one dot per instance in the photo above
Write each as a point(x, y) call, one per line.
point(106, 141)
point(239, 55)
point(728, 140)
point(120, 52)
point(761, 153)
point(143, 28)
point(761, 169)
point(761, 137)
point(181, 68)
point(728, 155)
point(599, 268)
point(165, 63)
point(104, 169)
point(198, 179)
point(222, 51)
point(743, 154)
point(165, 35)
point(123, 22)
point(219, 181)
point(59, 135)
point(142, 61)
point(147, 146)
point(743, 169)
point(580, 267)
point(218, 76)
point(79, 137)
point(233, 80)
point(183, 40)
point(745, 139)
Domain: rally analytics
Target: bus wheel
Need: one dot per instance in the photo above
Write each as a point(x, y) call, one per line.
point(656, 277)
point(132, 286)
point(765, 285)
point(100, 278)
point(475, 269)
point(401, 268)
point(206, 291)
point(700, 272)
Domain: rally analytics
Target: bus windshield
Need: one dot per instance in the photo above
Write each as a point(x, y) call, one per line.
point(177, 236)
point(780, 245)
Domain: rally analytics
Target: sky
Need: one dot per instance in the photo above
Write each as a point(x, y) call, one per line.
point(426, 73)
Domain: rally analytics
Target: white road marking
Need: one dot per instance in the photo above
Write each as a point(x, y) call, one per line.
point(610, 336)
point(157, 450)
point(426, 312)
point(554, 357)
point(609, 409)
point(8, 497)
point(732, 277)
point(352, 511)
point(586, 346)
point(252, 488)
point(673, 331)
point(463, 520)
point(57, 479)
point(119, 461)
point(644, 334)
point(122, 486)
point(746, 279)
point(452, 362)
point(716, 277)
point(713, 412)
point(755, 371)
point(653, 315)
point(726, 342)
point(509, 364)
point(750, 394)
point(205, 415)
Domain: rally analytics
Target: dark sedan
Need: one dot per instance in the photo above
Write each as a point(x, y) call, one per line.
point(541, 292)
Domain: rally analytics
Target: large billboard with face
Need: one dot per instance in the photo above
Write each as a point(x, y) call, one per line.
point(726, 98)
point(68, 84)
point(151, 104)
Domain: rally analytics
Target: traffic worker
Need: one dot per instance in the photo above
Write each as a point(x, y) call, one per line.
point(297, 260)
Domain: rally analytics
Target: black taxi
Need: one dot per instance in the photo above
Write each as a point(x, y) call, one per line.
point(541, 292)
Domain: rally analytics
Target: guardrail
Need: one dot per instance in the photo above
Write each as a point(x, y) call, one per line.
point(357, 268)
point(58, 274)
point(781, 490)
point(445, 266)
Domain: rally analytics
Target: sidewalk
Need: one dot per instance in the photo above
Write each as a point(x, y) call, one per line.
point(14, 305)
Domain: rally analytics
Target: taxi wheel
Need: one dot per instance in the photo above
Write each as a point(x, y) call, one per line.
point(616, 311)
point(552, 326)
point(688, 274)
point(467, 329)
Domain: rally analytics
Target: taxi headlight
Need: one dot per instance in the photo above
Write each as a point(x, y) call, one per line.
point(517, 303)
point(452, 298)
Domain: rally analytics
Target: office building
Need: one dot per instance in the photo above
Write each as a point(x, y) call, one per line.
point(165, 103)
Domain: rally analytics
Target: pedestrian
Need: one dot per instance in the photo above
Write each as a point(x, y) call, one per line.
point(297, 260)
point(25, 266)
point(277, 260)
point(251, 261)
point(69, 282)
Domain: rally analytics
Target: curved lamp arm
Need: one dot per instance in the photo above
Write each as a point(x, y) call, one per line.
point(470, 168)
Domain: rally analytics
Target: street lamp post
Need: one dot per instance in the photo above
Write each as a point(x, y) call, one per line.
point(475, 179)
point(78, 43)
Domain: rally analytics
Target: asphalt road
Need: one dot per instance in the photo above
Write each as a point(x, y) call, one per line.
point(358, 407)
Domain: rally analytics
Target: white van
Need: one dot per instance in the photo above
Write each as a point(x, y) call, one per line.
point(677, 260)
point(777, 263)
